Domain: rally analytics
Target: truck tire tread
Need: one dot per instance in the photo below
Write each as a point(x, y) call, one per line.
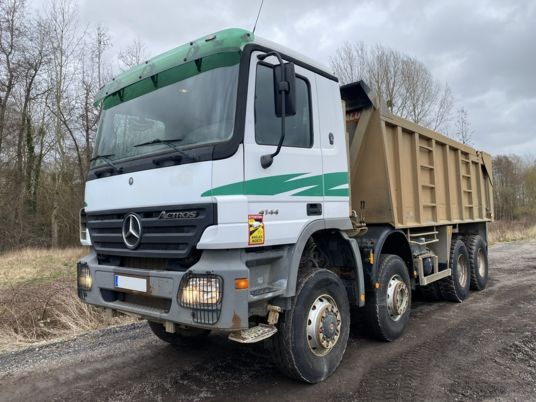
point(472, 242)
point(284, 352)
point(431, 292)
point(447, 286)
point(377, 326)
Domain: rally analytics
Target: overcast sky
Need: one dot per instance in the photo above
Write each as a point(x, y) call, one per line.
point(485, 50)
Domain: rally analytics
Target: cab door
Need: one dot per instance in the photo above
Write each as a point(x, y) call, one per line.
point(285, 197)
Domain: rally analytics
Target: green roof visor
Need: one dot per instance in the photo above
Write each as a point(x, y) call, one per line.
point(217, 50)
point(171, 76)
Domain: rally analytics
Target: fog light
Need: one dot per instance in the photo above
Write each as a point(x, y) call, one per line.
point(84, 277)
point(201, 291)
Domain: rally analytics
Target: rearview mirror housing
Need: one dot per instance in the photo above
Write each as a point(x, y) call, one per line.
point(290, 94)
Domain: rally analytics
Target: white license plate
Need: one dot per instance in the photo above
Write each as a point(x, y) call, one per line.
point(131, 283)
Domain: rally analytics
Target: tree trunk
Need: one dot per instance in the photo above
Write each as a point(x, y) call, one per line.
point(54, 224)
point(3, 108)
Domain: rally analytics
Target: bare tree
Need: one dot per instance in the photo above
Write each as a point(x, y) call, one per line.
point(92, 75)
point(32, 88)
point(11, 21)
point(102, 43)
point(405, 84)
point(63, 20)
point(50, 69)
point(385, 68)
point(464, 133)
point(349, 62)
point(132, 55)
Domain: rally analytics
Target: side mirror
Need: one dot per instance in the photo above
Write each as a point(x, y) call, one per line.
point(290, 93)
point(285, 94)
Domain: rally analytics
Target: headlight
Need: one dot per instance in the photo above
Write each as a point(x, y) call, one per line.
point(85, 281)
point(200, 291)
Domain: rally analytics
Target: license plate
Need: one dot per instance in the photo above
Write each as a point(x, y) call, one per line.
point(131, 283)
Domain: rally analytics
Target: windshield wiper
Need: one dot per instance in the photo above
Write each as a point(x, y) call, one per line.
point(168, 142)
point(107, 160)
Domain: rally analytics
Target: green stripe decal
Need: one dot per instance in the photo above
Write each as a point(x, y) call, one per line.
point(333, 183)
point(329, 184)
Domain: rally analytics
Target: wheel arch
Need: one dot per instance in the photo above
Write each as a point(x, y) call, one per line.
point(328, 234)
point(383, 240)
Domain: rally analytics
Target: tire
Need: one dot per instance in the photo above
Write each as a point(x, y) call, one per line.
point(431, 292)
point(182, 336)
point(293, 349)
point(478, 261)
point(382, 323)
point(455, 288)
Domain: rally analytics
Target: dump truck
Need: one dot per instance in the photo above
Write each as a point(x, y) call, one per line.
point(236, 188)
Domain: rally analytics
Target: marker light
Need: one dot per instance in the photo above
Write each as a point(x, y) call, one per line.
point(85, 240)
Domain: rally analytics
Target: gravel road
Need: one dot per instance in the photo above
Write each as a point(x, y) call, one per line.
point(484, 348)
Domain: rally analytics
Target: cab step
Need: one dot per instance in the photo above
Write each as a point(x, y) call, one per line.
point(253, 334)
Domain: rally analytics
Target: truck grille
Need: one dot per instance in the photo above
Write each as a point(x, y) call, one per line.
point(161, 238)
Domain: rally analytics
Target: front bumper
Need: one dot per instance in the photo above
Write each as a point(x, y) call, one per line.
point(160, 302)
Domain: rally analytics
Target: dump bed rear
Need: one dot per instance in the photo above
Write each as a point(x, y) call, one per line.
point(409, 176)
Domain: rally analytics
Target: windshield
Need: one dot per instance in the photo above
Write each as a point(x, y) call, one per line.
point(191, 112)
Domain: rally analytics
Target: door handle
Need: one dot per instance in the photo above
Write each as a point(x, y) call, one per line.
point(314, 209)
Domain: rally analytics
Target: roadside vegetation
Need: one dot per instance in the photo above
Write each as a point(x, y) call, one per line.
point(506, 231)
point(514, 186)
point(38, 300)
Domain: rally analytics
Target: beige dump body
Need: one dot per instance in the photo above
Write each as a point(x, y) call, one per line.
point(409, 176)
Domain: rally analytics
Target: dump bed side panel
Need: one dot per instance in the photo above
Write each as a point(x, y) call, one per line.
point(409, 176)
point(372, 200)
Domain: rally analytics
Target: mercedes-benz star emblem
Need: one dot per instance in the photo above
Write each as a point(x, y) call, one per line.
point(132, 231)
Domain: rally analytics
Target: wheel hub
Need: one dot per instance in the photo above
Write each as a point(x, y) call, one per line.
point(463, 270)
point(323, 325)
point(481, 260)
point(397, 297)
point(329, 327)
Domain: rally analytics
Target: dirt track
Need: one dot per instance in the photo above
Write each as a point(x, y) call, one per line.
point(484, 348)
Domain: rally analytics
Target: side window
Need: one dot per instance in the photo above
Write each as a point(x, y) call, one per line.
point(298, 128)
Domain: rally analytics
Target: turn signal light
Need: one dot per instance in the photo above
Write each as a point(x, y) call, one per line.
point(241, 283)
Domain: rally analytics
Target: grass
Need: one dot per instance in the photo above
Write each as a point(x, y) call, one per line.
point(39, 265)
point(38, 300)
point(507, 231)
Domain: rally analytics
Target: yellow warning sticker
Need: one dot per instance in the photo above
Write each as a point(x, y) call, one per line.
point(256, 229)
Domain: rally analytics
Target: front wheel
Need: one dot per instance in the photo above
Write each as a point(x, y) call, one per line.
point(312, 335)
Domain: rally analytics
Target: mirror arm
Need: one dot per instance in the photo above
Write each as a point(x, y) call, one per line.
point(267, 160)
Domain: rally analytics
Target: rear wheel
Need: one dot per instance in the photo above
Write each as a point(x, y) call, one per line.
point(431, 292)
point(312, 335)
point(183, 334)
point(456, 287)
point(478, 261)
point(387, 311)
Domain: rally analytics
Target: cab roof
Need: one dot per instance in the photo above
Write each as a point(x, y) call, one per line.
point(227, 40)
